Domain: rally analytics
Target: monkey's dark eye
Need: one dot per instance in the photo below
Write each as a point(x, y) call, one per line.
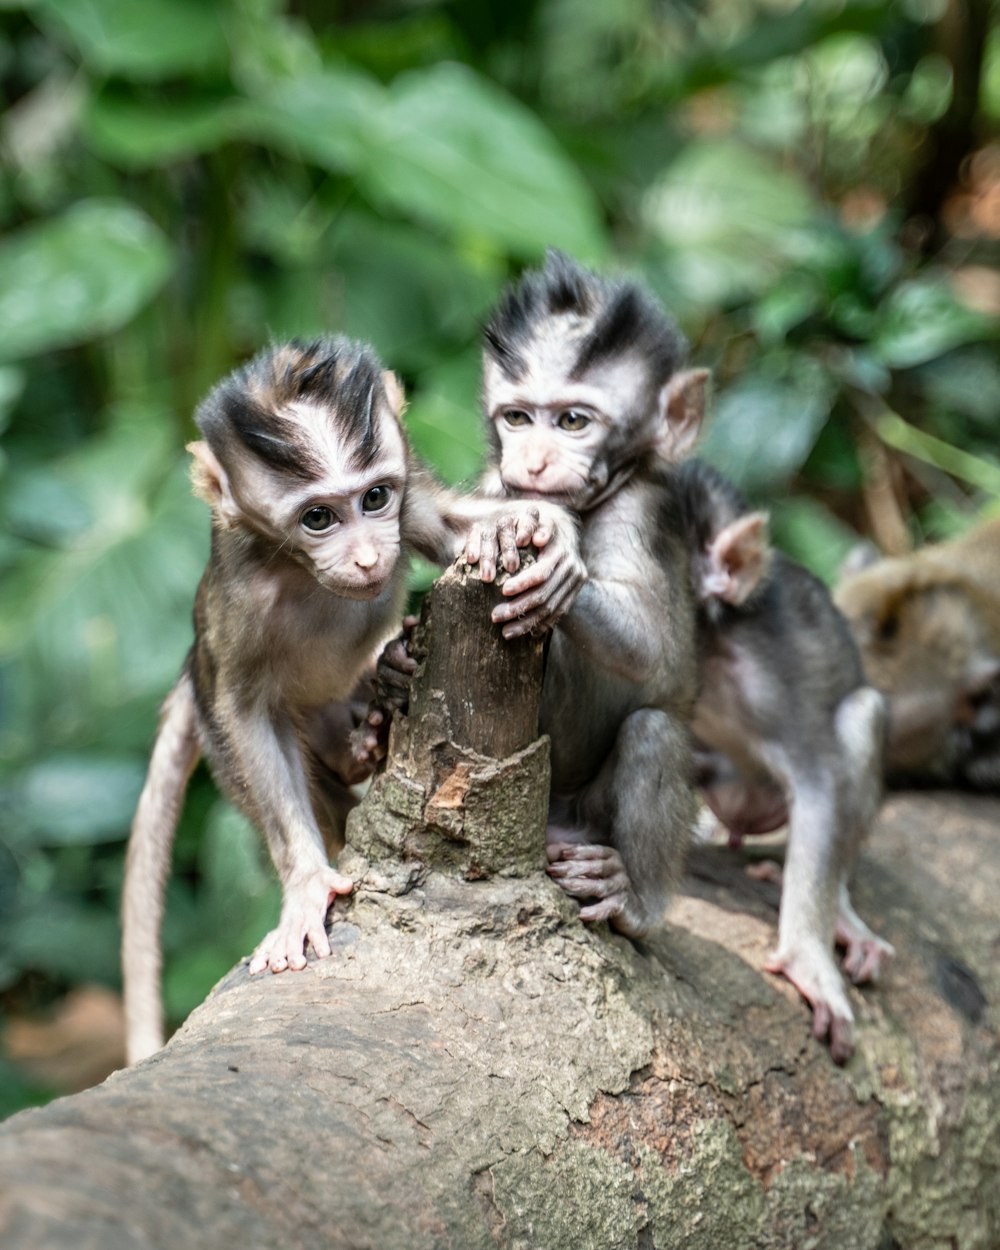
point(573, 420)
point(517, 416)
point(318, 518)
point(375, 500)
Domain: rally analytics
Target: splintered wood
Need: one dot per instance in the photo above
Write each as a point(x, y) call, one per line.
point(465, 786)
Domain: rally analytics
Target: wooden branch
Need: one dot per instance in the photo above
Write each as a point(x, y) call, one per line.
point(474, 1068)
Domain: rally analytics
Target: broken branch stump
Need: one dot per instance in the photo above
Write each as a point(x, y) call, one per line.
point(466, 782)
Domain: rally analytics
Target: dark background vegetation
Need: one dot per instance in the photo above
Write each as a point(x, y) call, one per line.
point(812, 188)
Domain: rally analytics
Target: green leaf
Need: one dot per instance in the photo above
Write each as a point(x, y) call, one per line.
point(77, 798)
point(457, 152)
point(140, 135)
point(966, 382)
point(730, 219)
point(108, 617)
point(150, 40)
point(78, 276)
point(444, 420)
point(233, 865)
point(976, 470)
point(794, 299)
point(444, 297)
point(766, 424)
point(923, 319)
point(322, 117)
point(11, 386)
point(441, 145)
point(67, 939)
point(810, 533)
point(18, 1091)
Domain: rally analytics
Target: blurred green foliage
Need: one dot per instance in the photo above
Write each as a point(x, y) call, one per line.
point(809, 186)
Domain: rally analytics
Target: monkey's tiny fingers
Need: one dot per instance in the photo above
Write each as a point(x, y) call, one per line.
point(509, 531)
point(589, 870)
point(865, 959)
point(368, 744)
point(534, 612)
point(531, 530)
point(766, 870)
point(555, 851)
point(604, 909)
point(481, 549)
point(303, 919)
point(396, 661)
point(815, 976)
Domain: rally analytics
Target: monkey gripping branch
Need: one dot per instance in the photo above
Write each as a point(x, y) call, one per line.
point(475, 1068)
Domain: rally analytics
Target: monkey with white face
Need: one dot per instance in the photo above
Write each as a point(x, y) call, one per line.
point(585, 399)
point(787, 730)
point(315, 496)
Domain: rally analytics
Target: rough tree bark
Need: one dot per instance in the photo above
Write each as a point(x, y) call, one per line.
point(474, 1068)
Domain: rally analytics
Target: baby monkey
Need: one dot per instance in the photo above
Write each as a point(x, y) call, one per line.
point(586, 400)
point(787, 731)
point(315, 496)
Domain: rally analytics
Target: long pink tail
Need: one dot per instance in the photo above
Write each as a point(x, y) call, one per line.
point(147, 864)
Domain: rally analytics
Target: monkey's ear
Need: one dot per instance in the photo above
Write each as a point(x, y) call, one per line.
point(210, 482)
point(682, 410)
point(394, 392)
point(738, 558)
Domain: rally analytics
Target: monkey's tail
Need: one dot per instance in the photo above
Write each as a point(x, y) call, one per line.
point(175, 753)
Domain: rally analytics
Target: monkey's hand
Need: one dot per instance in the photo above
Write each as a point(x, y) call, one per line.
point(814, 974)
point(544, 591)
point(394, 671)
point(303, 920)
point(588, 870)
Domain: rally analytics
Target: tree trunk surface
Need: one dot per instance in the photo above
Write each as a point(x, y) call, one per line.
point(473, 1067)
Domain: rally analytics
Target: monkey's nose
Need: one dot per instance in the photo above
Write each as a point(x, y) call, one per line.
point(366, 558)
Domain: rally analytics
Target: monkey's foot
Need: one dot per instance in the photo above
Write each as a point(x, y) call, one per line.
point(589, 870)
point(303, 920)
point(866, 953)
point(816, 978)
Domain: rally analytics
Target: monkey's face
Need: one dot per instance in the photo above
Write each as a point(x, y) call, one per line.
point(349, 538)
point(558, 436)
point(343, 525)
point(347, 528)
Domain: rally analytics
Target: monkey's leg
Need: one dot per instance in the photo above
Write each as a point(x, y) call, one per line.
point(263, 769)
point(813, 865)
point(860, 724)
point(147, 864)
point(641, 802)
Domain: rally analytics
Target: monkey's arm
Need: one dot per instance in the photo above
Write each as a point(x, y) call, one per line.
point(618, 626)
point(259, 764)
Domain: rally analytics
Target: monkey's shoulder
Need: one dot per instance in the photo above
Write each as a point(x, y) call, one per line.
point(792, 621)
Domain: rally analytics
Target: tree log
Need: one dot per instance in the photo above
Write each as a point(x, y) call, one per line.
point(473, 1067)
